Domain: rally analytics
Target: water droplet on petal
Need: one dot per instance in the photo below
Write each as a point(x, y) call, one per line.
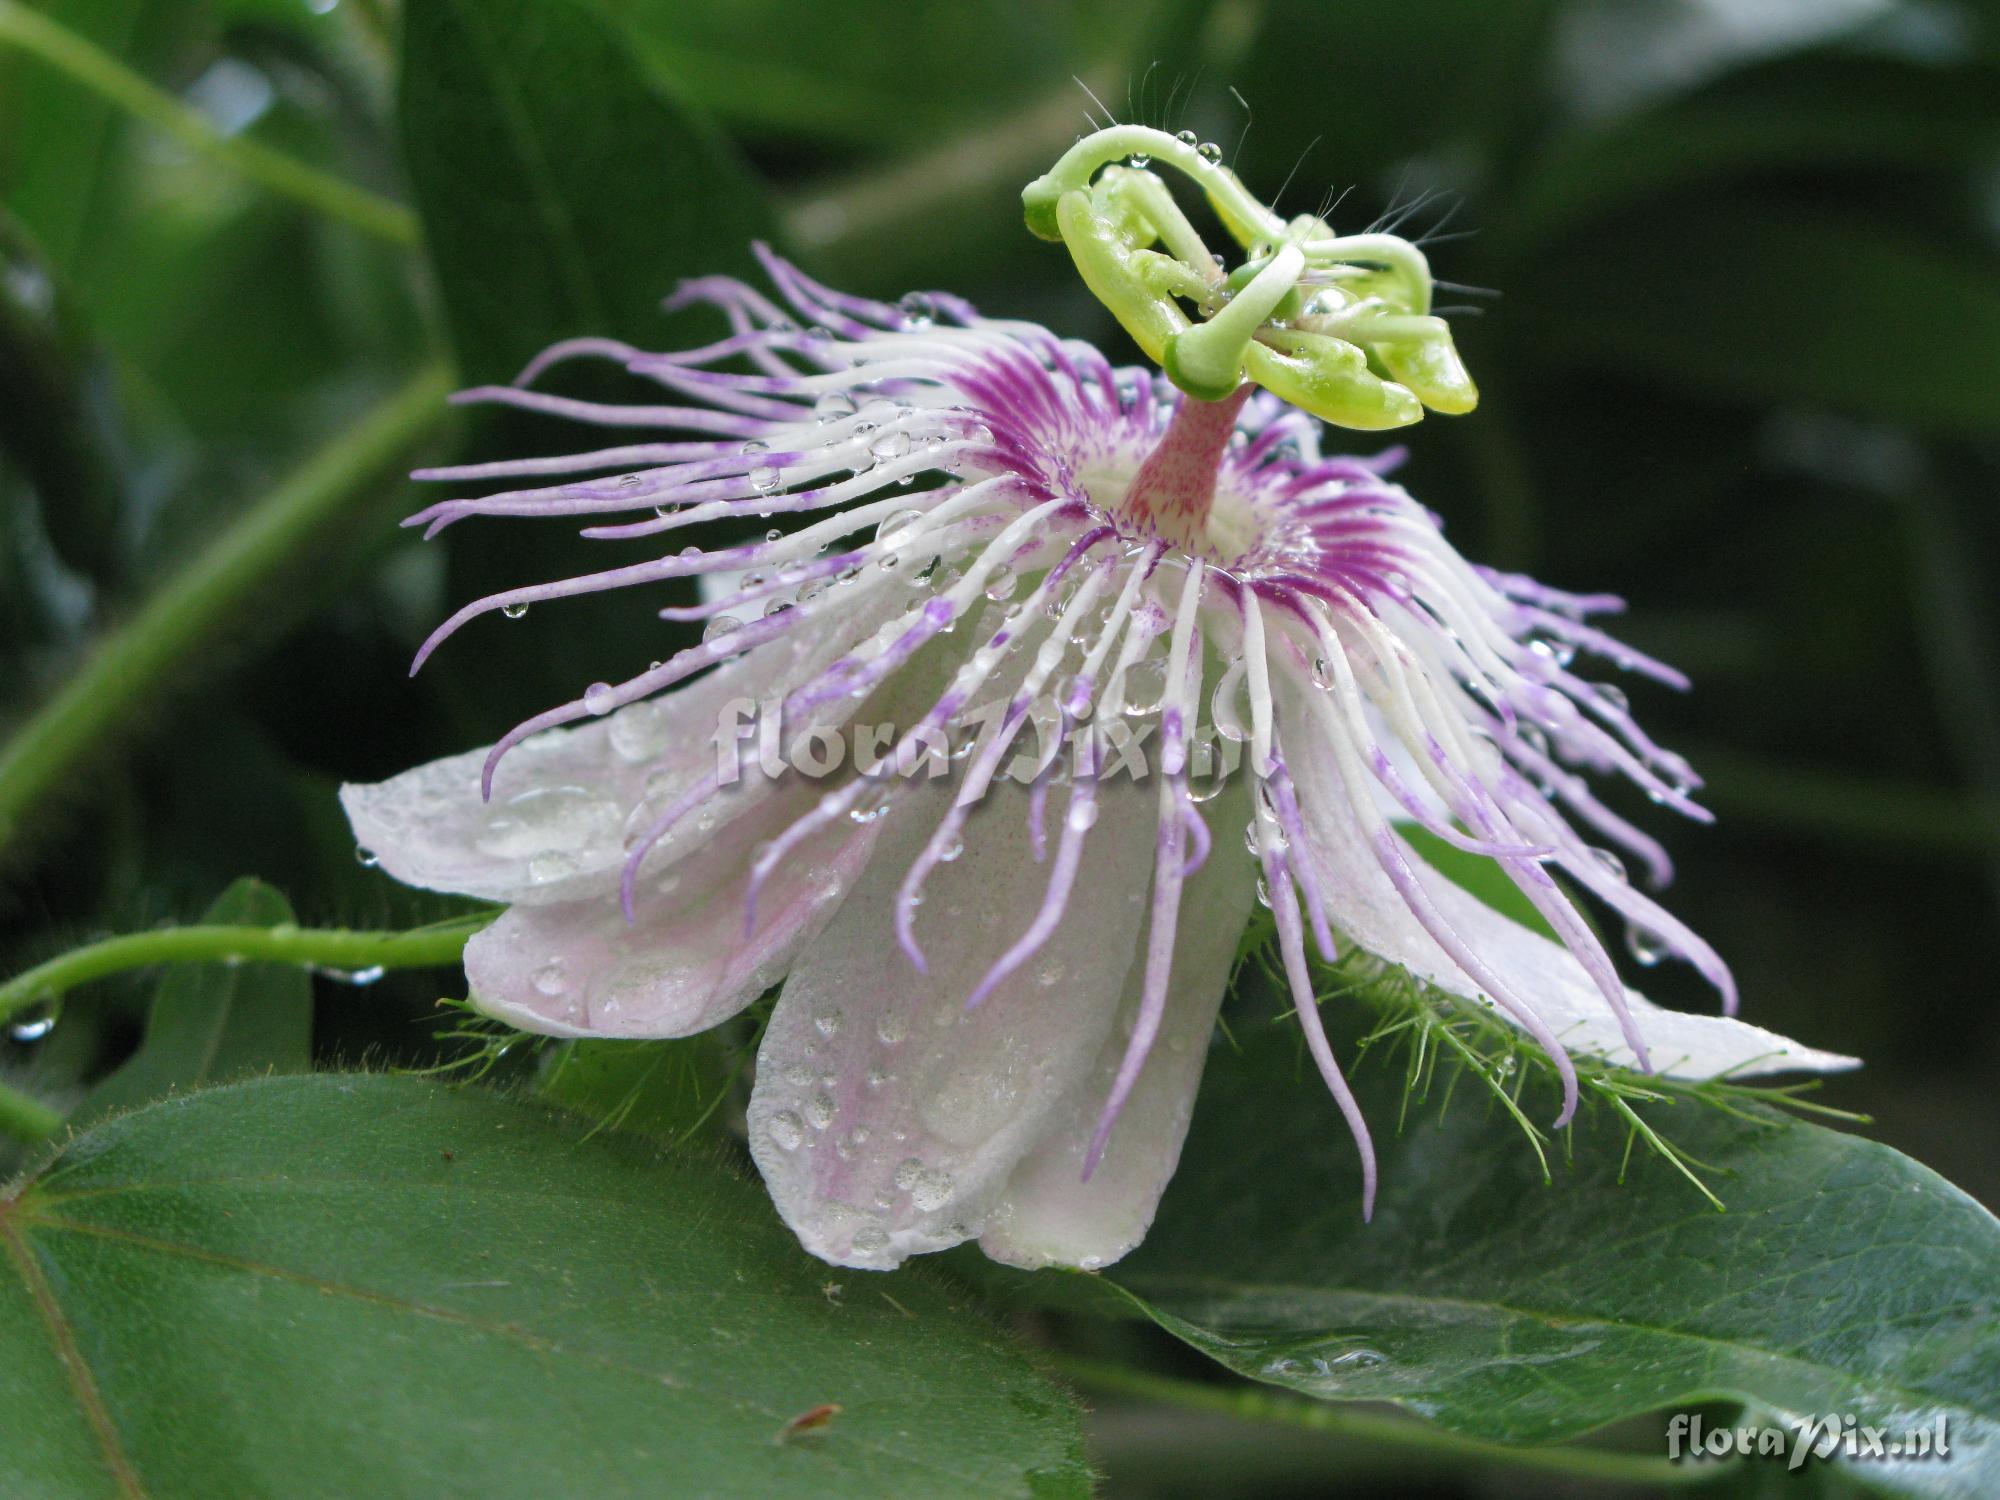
point(1229, 705)
point(786, 1130)
point(513, 611)
point(1145, 686)
point(599, 698)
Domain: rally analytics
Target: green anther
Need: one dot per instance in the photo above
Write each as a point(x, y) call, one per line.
point(1330, 378)
point(1419, 353)
point(1207, 360)
point(1339, 325)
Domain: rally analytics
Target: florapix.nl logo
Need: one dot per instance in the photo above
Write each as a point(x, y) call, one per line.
point(1799, 1439)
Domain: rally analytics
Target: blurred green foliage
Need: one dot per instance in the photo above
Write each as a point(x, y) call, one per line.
point(1730, 284)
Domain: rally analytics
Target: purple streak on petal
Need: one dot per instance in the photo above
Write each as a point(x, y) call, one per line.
point(1197, 829)
point(578, 348)
point(1055, 897)
point(1575, 793)
point(1601, 643)
point(935, 615)
point(805, 296)
point(1520, 586)
point(723, 291)
point(788, 577)
point(1291, 945)
point(1389, 856)
point(689, 418)
point(681, 665)
point(593, 583)
point(628, 456)
point(1441, 828)
point(641, 361)
point(728, 392)
point(1038, 801)
point(1286, 804)
point(1169, 871)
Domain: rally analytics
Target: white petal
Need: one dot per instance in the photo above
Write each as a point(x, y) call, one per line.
point(1362, 903)
point(685, 964)
point(1048, 1215)
point(565, 800)
point(886, 1119)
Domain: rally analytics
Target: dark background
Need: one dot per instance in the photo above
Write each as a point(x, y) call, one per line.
point(1735, 316)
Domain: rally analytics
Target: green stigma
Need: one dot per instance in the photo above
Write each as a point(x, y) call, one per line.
point(1338, 325)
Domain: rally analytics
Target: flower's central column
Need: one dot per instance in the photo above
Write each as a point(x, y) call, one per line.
point(1171, 494)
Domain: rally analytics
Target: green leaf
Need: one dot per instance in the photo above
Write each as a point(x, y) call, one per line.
point(790, 70)
point(212, 1022)
point(1843, 1277)
point(1477, 874)
point(1772, 305)
point(563, 190)
point(666, 1089)
point(1824, 110)
point(359, 1285)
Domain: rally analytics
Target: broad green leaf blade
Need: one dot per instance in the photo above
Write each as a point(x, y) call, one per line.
point(563, 191)
point(357, 1285)
point(1843, 1277)
point(1773, 305)
point(212, 1022)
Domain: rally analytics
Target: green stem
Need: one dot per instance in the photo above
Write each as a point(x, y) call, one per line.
point(104, 74)
point(27, 1120)
point(129, 664)
point(1249, 1403)
point(316, 947)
